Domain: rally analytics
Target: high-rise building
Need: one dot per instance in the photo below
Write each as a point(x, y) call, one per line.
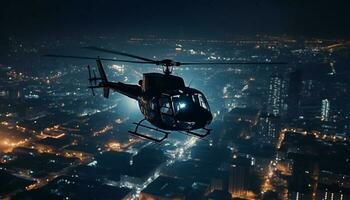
point(237, 180)
point(268, 127)
point(239, 172)
point(276, 99)
point(325, 110)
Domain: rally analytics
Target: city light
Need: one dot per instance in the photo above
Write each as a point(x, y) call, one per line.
point(278, 132)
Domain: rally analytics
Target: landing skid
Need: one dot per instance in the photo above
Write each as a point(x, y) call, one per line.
point(197, 135)
point(151, 128)
point(207, 132)
point(188, 132)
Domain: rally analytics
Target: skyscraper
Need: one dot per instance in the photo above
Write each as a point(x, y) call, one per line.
point(269, 127)
point(276, 99)
point(237, 180)
point(325, 110)
point(239, 176)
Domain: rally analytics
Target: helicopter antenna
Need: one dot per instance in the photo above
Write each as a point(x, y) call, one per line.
point(167, 69)
point(189, 85)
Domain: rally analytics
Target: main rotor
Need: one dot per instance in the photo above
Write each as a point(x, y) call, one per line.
point(167, 64)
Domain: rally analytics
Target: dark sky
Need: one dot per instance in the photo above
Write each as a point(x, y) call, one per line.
point(180, 18)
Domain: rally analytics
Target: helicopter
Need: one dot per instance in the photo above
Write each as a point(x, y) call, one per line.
point(164, 99)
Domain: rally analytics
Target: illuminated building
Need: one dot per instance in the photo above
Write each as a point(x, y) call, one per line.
point(333, 186)
point(114, 146)
point(327, 194)
point(219, 182)
point(240, 122)
point(292, 195)
point(276, 105)
point(269, 126)
point(239, 172)
point(325, 110)
point(216, 184)
point(237, 180)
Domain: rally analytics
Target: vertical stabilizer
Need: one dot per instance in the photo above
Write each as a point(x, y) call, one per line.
point(103, 78)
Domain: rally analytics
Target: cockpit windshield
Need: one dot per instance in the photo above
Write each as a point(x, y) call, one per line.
point(200, 99)
point(181, 101)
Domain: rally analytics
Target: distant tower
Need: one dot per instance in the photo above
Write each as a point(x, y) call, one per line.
point(276, 104)
point(294, 94)
point(325, 110)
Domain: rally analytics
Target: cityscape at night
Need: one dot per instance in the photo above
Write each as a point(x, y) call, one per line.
point(277, 131)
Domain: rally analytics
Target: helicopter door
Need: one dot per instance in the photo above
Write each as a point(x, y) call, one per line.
point(152, 107)
point(166, 111)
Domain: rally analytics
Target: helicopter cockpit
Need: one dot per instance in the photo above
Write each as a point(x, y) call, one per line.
point(184, 108)
point(180, 101)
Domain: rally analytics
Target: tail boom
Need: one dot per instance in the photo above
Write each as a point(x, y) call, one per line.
point(132, 91)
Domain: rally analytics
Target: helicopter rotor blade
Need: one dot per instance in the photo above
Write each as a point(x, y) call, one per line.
point(232, 63)
point(120, 53)
point(96, 58)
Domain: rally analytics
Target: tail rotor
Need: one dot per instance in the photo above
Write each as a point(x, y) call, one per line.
point(103, 78)
point(92, 80)
point(98, 82)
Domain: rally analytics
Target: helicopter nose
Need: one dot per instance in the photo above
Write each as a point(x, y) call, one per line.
point(200, 116)
point(207, 116)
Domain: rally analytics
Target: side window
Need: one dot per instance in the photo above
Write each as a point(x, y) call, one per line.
point(153, 104)
point(195, 99)
point(176, 99)
point(165, 106)
point(199, 99)
point(202, 101)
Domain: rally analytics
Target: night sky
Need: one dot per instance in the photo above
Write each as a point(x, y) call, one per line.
point(181, 18)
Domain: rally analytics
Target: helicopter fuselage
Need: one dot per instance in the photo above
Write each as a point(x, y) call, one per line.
point(163, 99)
point(167, 103)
